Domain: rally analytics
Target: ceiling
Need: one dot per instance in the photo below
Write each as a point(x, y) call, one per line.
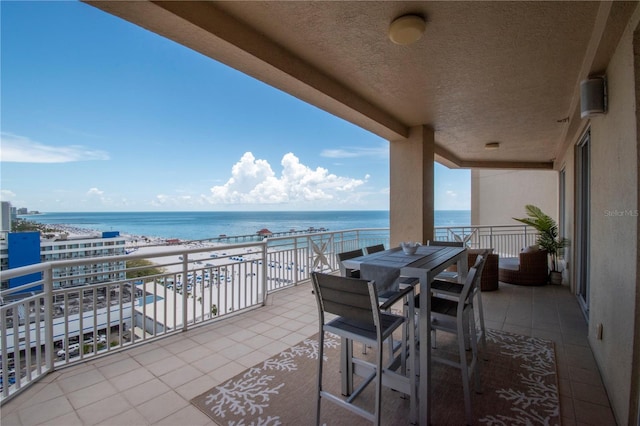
point(506, 72)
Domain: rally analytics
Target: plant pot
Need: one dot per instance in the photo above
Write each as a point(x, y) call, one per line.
point(555, 277)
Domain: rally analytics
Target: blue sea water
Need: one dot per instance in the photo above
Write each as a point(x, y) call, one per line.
point(202, 225)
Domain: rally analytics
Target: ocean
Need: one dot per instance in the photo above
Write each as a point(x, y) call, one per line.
point(202, 225)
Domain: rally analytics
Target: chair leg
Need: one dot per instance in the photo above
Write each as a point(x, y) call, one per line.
point(413, 365)
point(465, 319)
point(464, 370)
point(377, 412)
point(483, 331)
point(320, 357)
point(475, 359)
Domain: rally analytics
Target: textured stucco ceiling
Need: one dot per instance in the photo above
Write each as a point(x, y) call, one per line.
point(505, 72)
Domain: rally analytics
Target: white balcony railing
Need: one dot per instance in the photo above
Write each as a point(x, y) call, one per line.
point(43, 328)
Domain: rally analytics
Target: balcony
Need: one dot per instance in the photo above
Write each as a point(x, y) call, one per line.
point(149, 376)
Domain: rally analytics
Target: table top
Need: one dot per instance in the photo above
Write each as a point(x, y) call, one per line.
point(427, 257)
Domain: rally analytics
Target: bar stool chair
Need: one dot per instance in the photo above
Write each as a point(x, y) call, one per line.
point(457, 317)
point(346, 272)
point(360, 317)
point(375, 248)
point(448, 287)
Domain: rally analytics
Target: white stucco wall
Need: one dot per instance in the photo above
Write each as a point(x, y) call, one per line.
point(614, 229)
point(500, 195)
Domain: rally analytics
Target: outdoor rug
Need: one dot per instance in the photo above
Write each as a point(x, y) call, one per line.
point(519, 380)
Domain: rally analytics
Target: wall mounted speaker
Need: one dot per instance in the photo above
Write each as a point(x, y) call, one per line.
point(593, 96)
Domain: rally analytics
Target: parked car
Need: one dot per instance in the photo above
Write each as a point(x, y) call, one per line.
point(71, 350)
point(101, 339)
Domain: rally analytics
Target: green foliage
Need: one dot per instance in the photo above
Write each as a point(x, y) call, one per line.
point(23, 225)
point(548, 238)
point(143, 272)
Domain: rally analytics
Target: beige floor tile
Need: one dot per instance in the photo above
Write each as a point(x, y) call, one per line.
point(593, 414)
point(91, 394)
point(219, 344)
point(196, 386)
point(131, 379)
point(10, 419)
point(46, 411)
point(180, 376)
point(150, 356)
point(252, 358)
point(276, 333)
point(237, 350)
point(194, 354)
point(211, 363)
point(70, 419)
point(120, 367)
point(39, 393)
point(129, 418)
point(78, 381)
point(258, 341)
point(145, 391)
point(162, 406)
point(178, 345)
point(589, 393)
point(243, 335)
point(582, 375)
point(165, 365)
point(223, 374)
point(187, 416)
point(103, 409)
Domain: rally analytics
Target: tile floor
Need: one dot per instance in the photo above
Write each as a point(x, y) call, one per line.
point(153, 384)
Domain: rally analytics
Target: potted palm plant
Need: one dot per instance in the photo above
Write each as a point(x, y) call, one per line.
point(548, 238)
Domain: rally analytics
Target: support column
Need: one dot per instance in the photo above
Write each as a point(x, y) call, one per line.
point(411, 205)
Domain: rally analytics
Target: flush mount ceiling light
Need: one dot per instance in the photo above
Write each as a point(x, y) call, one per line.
point(407, 29)
point(492, 145)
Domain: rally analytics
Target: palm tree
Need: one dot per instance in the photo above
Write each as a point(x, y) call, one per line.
point(548, 233)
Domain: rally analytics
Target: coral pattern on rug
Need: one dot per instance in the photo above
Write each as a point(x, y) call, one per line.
point(251, 393)
point(520, 388)
point(538, 404)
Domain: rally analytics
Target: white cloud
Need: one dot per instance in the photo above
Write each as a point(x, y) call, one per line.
point(6, 194)
point(253, 181)
point(451, 193)
point(95, 191)
point(380, 152)
point(19, 149)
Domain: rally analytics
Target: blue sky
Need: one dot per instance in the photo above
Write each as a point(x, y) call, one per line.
point(100, 115)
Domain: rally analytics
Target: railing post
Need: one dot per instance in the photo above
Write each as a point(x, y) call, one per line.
point(264, 271)
point(47, 276)
point(185, 302)
point(295, 261)
point(491, 236)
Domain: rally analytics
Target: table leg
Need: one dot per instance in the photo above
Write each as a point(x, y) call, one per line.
point(424, 394)
point(346, 365)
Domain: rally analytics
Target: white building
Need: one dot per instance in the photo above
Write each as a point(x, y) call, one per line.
point(65, 247)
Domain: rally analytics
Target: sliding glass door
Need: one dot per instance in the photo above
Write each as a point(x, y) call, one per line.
point(583, 171)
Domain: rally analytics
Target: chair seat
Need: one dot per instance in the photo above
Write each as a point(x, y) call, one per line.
point(446, 287)
point(440, 306)
point(356, 330)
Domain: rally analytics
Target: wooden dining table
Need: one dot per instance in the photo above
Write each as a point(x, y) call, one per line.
point(387, 267)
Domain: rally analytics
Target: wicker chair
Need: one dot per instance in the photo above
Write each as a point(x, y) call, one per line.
point(489, 277)
point(530, 268)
